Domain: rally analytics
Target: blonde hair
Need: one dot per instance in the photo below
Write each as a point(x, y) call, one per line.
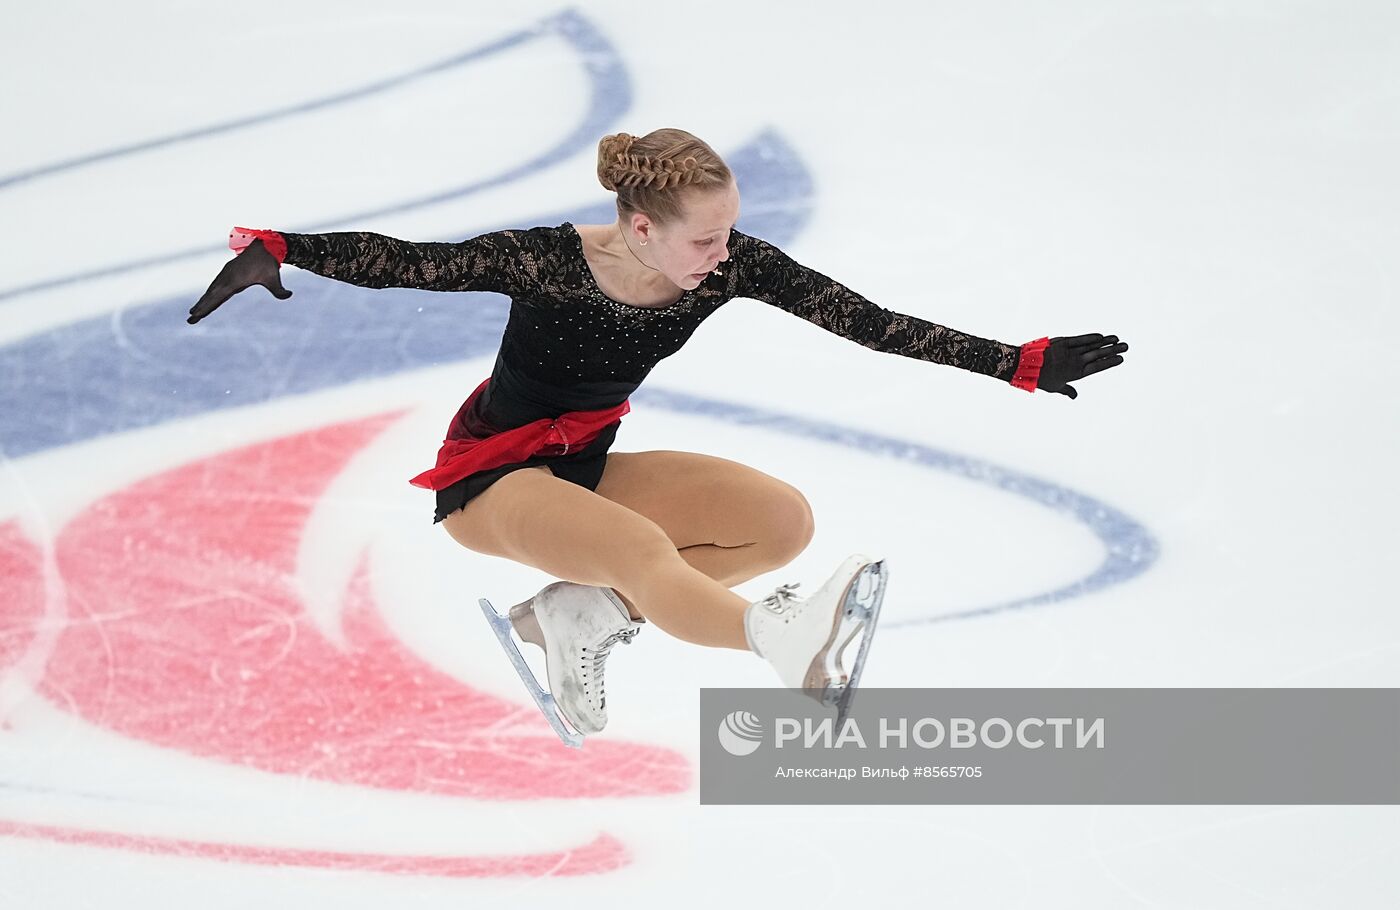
point(652, 173)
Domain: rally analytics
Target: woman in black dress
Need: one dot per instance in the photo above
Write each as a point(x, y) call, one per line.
point(525, 471)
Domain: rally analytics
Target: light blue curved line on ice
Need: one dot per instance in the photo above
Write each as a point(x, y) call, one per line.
point(610, 95)
point(1129, 549)
point(512, 40)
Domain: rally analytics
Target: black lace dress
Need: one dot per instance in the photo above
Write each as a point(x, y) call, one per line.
point(569, 347)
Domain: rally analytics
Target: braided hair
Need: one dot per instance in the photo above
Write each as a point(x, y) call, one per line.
point(651, 173)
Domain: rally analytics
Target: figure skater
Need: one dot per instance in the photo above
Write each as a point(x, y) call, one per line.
point(525, 471)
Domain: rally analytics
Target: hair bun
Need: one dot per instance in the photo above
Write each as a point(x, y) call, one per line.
point(613, 163)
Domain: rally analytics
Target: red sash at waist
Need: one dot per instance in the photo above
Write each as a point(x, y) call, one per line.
point(466, 450)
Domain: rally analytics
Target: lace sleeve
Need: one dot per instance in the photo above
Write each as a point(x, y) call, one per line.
point(498, 261)
point(768, 274)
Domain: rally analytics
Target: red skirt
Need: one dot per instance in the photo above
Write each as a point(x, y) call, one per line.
point(465, 452)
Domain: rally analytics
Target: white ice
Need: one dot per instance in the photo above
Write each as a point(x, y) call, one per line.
point(1214, 182)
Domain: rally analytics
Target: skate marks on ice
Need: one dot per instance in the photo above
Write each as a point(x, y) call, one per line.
point(184, 629)
point(187, 663)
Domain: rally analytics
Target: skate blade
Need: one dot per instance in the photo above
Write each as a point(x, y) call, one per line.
point(846, 620)
point(850, 617)
point(861, 610)
point(501, 625)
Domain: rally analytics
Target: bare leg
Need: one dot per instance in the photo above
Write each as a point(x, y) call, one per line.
point(717, 622)
point(532, 517)
point(720, 563)
point(763, 521)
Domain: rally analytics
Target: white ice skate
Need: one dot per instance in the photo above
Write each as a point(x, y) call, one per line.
point(804, 638)
point(576, 625)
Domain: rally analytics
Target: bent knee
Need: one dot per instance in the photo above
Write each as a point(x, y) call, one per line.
point(789, 525)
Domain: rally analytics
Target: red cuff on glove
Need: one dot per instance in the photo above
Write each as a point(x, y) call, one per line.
point(275, 243)
point(1028, 368)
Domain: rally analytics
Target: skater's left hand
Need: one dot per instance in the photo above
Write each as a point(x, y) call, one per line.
point(1069, 359)
point(255, 265)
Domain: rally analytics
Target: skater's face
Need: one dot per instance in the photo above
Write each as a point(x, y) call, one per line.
point(689, 249)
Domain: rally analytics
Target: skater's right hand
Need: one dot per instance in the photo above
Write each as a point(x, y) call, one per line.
point(255, 265)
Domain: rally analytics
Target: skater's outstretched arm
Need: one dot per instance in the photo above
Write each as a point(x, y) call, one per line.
point(496, 261)
point(768, 274)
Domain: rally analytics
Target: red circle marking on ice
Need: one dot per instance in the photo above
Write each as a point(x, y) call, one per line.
point(184, 630)
point(21, 603)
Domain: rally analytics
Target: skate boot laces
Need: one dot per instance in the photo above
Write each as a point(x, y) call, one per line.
point(597, 657)
point(782, 599)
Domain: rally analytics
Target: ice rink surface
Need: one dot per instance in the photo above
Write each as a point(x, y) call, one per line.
point(240, 666)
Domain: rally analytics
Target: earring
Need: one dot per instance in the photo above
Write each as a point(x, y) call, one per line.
point(644, 243)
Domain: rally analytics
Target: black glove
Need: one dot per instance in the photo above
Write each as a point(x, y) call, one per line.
point(255, 265)
point(1068, 359)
